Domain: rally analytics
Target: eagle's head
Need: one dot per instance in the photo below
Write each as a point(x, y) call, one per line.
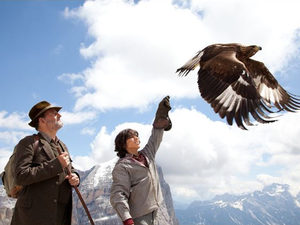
point(248, 51)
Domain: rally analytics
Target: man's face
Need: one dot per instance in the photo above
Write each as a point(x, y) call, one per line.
point(52, 119)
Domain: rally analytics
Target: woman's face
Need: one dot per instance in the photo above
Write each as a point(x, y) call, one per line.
point(133, 144)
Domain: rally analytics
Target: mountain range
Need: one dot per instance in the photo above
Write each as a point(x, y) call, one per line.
point(274, 205)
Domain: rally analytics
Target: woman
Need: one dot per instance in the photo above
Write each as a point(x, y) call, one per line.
point(135, 191)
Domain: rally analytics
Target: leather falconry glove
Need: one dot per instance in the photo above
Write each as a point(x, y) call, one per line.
point(162, 120)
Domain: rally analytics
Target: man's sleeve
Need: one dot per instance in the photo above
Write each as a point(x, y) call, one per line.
point(27, 174)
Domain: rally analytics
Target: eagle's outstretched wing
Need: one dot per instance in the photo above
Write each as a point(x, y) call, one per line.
point(272, 93)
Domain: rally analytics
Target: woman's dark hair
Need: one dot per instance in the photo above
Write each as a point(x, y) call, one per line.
point(120, 141)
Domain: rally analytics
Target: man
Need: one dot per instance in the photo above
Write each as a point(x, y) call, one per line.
point(46, 197)
point(135, 191)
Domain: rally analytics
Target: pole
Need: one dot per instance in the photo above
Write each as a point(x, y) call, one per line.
point(79, 194)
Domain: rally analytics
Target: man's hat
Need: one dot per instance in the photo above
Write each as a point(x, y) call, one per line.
point(38, 109)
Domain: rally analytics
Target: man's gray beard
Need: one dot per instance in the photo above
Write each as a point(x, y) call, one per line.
point(59, 124)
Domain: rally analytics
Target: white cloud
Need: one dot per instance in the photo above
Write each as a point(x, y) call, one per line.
point(11, 137)
point(135, 54)
point(70, 77)
point(185, 193)
point(77, 117)
point(83, 162)
point(88, 131)
point(13, 121)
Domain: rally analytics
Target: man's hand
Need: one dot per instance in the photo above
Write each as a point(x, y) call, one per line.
point(162, 120)
point(64, 159)
point(73, 179)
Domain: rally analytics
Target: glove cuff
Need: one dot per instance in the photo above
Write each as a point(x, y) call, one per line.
point(162, 123)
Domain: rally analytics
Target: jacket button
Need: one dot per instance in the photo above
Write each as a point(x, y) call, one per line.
point(55, 201)
point(57, 182)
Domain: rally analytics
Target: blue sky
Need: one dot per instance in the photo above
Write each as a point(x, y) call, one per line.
point(38, 44)
point(108, 63)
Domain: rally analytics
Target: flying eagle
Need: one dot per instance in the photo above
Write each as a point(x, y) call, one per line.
point(236, 86)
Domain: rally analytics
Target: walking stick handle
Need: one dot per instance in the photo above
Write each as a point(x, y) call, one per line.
point(78, 193)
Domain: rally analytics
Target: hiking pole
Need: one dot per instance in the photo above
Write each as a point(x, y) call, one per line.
point(79, 194)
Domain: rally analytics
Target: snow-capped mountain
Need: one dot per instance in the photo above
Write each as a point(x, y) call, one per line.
point(95, 190)
point(273, 205)
point(6, 206)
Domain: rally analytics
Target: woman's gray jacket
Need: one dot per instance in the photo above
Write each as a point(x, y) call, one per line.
point(135, 189)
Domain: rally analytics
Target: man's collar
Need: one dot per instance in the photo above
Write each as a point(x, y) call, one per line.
point(47, 137)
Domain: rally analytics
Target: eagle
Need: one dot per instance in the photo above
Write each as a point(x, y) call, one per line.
point(237, 87)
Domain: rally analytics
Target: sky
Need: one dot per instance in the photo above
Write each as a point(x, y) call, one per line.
point(108, 63)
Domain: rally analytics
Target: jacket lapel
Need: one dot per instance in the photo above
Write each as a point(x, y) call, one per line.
point(47, 148)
